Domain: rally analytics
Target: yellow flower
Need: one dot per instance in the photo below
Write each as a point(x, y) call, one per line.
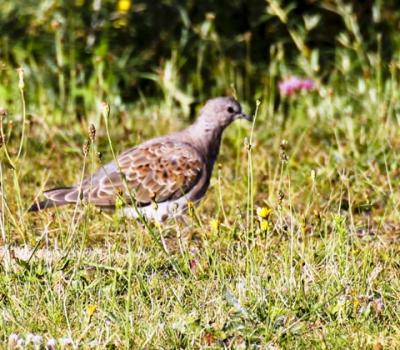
point(215, 224)
point(157, 224)
point(124, 5)
point(263, 212)
point(90, 309)
point(264, 225)
point(191, 208)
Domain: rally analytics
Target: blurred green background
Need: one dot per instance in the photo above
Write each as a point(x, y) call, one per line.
point(76, 53)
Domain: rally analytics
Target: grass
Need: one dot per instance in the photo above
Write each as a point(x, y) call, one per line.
point(320, 271)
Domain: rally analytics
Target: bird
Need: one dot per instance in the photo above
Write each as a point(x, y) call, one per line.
point(171, 171)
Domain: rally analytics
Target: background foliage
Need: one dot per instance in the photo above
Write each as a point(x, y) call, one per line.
point(69, 46)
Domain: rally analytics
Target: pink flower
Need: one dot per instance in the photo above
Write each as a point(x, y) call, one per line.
point(288, 86)
point(294, 84)
point(307, 85)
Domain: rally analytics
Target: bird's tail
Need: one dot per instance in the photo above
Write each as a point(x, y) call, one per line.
point(56, 197)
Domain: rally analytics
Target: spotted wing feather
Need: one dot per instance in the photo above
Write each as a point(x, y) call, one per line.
point(167, 169)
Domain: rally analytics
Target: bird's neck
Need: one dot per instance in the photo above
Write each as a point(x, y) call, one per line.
point(206, 138)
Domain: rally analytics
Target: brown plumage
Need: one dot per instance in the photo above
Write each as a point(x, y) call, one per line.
point(170, 170)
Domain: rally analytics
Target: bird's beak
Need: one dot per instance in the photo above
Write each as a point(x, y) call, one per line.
point(244, 116)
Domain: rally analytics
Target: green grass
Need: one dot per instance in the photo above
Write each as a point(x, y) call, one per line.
point(320, 272)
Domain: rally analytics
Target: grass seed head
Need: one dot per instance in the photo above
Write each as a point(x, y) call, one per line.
point(92, 132)
point(3, 113)
point(52, 216)
point(55, 25)
point(210, 16)
point(86, 147)
point(21, 84)
point(283, 155)
point(239, 212)
point(303, 225)
point(281, 196)
point(246, 144)
point(247, 37)
point(317, 215)
point(105, 110)
point(3, 140)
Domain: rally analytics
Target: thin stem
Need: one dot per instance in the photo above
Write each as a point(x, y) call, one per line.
point(23, 125)
point(15, 176)
point(220, 197)
point(129, 292)
point(250, 187)
point(3, 218)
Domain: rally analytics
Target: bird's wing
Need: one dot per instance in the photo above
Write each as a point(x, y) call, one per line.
point(166, 170)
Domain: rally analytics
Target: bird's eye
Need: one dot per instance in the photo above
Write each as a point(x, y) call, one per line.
point(230, 110)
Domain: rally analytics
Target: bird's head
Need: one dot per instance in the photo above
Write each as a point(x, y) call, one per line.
point(220, 112)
